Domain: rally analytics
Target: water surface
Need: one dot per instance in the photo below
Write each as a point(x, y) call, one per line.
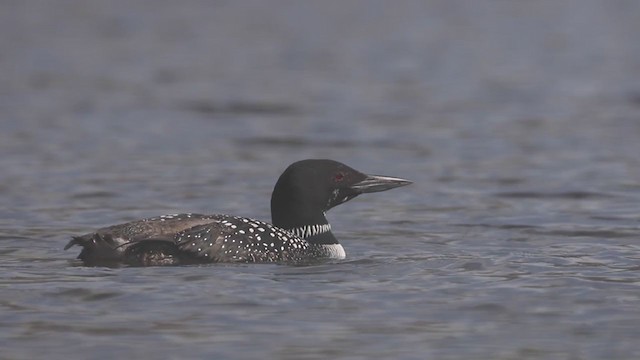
point(517, 121)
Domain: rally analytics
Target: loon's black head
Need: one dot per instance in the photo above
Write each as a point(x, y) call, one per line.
point(308, 188)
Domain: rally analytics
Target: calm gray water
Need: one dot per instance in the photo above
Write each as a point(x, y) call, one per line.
point(518, 121)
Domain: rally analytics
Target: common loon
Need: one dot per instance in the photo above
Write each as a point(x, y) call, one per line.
point(300, 232)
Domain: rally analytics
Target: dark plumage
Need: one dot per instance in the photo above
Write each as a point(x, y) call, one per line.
point(300, 232)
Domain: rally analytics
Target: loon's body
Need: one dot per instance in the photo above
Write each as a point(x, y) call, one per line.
point(300, 232)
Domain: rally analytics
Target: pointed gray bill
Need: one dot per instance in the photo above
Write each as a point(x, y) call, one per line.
point(375, 183)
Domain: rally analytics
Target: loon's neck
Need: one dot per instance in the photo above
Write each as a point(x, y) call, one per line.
point(319, 234)
point(312, 226)
point(321, 240)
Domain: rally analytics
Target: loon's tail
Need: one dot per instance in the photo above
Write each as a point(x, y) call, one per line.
point(104, 250)
point(97, 249)
point(78, 240)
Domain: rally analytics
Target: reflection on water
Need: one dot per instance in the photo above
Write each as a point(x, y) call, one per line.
point(517, 122)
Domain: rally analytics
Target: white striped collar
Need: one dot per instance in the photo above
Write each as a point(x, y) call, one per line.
point(311, 230)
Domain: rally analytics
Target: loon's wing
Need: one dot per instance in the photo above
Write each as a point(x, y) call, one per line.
point(110, 245)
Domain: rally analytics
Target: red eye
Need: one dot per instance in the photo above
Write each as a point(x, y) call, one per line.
point(338, 177)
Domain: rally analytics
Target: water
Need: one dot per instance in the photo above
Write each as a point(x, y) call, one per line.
point(517, 121)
